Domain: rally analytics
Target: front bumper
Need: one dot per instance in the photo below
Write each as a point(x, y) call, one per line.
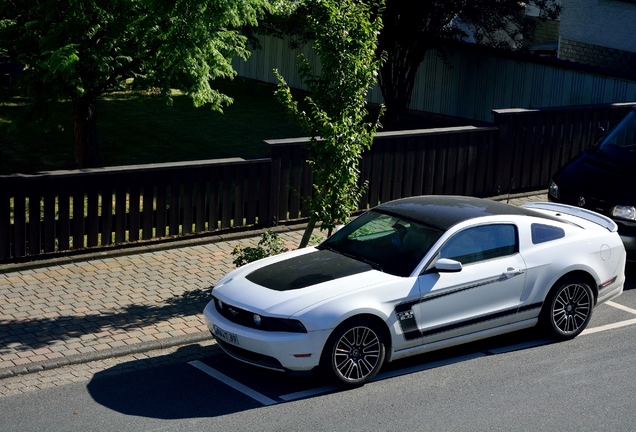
point(281, 351)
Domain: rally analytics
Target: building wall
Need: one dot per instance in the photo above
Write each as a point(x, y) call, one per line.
point(598, 32)
point(597, 55)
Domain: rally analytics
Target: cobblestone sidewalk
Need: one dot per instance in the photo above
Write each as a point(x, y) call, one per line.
point(87, 310)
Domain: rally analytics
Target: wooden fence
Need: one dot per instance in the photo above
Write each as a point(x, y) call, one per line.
point(48, 213)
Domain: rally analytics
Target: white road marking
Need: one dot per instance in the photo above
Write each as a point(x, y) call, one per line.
point(613, 325)
point(621, 307)
point(309, 393)
point(232, 383)
point(608, 327)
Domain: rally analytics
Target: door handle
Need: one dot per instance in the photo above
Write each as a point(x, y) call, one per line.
point(512, 272)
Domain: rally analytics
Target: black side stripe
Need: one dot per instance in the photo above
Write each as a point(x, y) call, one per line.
point(412, 332)
point(402, 307)
point(429, 297)
point(530, 307)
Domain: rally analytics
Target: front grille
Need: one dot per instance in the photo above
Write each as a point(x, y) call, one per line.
point(235, 314)
point(247, 319)
point(590, 203)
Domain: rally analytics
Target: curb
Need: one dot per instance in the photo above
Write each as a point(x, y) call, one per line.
point(104, 354)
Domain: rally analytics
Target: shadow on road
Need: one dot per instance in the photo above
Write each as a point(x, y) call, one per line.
point(174, 389)
point(166, 388)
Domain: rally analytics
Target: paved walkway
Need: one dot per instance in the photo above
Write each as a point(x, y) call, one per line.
point(100, 306)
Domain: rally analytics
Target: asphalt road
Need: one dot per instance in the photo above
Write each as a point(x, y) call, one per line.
point(514, 383)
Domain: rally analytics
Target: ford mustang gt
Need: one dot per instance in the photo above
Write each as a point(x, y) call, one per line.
point(416, 275)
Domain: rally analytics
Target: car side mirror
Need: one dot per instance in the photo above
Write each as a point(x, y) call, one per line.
point(448, 265)
point(600, 134)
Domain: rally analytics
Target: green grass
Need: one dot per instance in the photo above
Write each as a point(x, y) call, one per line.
point(135, 129)
point(143, 129)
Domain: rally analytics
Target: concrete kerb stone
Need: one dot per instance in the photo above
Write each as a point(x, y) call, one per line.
point(164, 343)
point(141, 347)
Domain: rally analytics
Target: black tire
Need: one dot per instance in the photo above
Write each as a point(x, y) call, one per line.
point(568, 308)
point(355, 352)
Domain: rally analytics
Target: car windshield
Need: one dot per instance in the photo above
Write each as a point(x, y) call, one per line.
point(387, 242)
point(621, 141)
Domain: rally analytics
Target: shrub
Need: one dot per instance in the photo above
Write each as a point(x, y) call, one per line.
point(270, 244)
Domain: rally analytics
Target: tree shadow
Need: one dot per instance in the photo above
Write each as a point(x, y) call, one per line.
point(42, 332)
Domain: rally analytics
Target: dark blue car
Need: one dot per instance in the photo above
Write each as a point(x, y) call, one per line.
point(603, 179)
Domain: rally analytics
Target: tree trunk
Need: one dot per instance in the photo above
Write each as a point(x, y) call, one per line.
point(85, 125)
point(308, 231)
point(404, 39)
point(397, 80)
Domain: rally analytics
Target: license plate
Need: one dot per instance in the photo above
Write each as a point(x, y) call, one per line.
point(225, 335)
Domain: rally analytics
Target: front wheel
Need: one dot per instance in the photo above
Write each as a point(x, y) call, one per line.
point(355, 352)
point(568, 309)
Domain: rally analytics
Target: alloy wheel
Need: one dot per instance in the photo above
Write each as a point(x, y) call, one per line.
point(571, 308)
point(357, 355)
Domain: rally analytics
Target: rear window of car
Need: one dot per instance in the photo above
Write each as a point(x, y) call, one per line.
point(545, 233)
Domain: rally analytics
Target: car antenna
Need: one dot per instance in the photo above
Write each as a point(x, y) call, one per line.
point(509, 190)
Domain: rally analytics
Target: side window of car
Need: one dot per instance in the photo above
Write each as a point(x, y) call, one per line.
point(481, 243)
point(545, 233)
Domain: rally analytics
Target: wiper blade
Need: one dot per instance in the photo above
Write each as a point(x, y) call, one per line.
point(373, 264)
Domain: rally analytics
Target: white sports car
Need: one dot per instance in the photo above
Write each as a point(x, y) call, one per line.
point(416, 275)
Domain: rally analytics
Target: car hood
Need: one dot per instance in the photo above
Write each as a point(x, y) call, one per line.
point(296, 280)
point(594, 175)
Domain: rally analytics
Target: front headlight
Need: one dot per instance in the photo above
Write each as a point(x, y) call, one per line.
point(553, 190)
point(624, 212)
point(282, 325)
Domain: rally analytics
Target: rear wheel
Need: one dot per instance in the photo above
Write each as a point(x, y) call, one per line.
point(355, 352)
point(568, 308)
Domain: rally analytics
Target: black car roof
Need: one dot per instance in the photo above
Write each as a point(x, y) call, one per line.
point(444, 211)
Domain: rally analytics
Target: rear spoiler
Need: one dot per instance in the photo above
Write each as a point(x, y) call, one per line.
point(582, 213)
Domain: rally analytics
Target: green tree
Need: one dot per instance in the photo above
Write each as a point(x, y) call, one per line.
point(345, 39)
point(80, 49)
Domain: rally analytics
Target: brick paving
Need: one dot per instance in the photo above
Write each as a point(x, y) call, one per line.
point(101, 307)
